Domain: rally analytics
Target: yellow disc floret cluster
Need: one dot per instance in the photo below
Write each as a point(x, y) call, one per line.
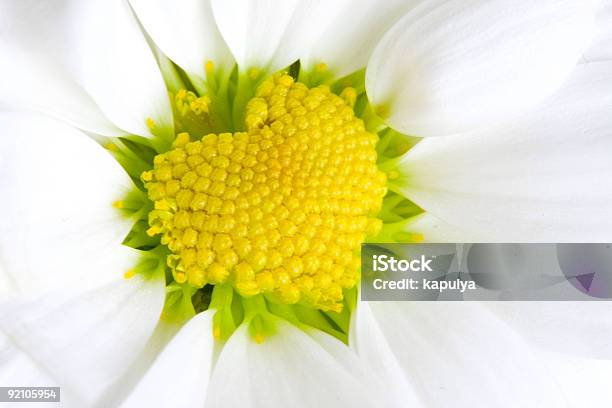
point(280, 209)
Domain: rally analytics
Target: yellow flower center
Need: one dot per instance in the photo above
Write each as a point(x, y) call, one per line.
point(280, 209)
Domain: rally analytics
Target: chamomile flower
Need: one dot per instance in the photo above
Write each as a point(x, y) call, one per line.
point(184, 210)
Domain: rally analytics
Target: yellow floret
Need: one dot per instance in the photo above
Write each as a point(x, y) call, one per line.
point(280, 209)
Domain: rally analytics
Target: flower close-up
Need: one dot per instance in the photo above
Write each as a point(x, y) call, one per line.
point(187, 187)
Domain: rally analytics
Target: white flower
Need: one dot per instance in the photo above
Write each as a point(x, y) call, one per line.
point(522, 111)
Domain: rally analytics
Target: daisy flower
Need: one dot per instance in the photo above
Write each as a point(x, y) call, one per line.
point(186, 186)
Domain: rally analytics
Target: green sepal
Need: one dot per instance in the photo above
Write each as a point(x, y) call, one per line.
point(317, 319)
point(396, 232)
point(150, 265)
point(393, 144)
point(313, 78)
point(356, 80)
point(224, 323)
point(397, 208)
point(261, 323)
point(246, 86)
point(171, 73)
point(138, 237)
point(131, 161)
point(341, 319)
point(178, 307)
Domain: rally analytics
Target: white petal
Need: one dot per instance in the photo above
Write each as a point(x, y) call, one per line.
point(346, 43)
point(584, 382)
point(543, 178)
point(460, 355)
point(288, 366)
point(451, 66)
point(185, 31)
point(37, 83)
point(34, 77)
point(310, 20)
point(381, 384)
point(118, 68)
point(97, 45)
point(271, 35)
point(601, 48)
point(579, 328)
point(59, 228)
point(253, 30)
point(18, 369)
point(184, 365)
point(84, 340)
point(368, 340)
point(123, 386)
point(433, 229)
